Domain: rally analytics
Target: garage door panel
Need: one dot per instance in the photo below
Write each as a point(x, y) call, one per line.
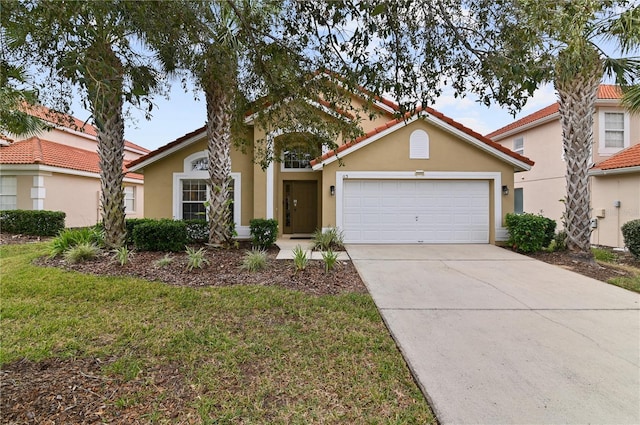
point(416, 211)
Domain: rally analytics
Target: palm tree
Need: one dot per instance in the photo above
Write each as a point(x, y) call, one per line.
point(245, 40)
point(93, 46)
point(578, 71)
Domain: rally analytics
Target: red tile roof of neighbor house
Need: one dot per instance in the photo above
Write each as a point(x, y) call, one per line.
point(72, 123)
point(630, 157)
point(605, 91)
point(44, 152)
point(436, 114)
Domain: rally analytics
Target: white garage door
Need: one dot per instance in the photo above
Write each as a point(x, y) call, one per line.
point(416, 211)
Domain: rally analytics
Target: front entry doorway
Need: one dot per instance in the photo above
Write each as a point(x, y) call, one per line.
point(300, 206)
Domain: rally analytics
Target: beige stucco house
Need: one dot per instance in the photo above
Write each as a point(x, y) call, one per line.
point(421, 179)
point(58, 170)
point(614, 194)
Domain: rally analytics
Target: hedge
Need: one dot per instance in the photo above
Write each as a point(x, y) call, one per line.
point(28, 222)
point(160, 235)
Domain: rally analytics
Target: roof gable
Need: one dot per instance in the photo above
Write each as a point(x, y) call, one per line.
point(436, 118)
point(605, 92)
point(44, 152)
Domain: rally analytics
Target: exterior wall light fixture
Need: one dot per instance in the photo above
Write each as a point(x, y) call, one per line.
point(505, 190)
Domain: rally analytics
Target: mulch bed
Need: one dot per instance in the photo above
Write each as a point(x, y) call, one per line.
point(76, 391)
point(224, 270)
point(598, 271)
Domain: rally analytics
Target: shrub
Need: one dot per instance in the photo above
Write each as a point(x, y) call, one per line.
point(529, 232)
point(69, 238)
point(559, 242)
point(122, 255)
point(254, 260)
point(81, 252)
point(195, 259)
point(330, 258)
point(37, 223)
point(300, 259)
point(631, 234)
point(197, 231)
point(160, 235)
point(330, 239)
point(263, 232)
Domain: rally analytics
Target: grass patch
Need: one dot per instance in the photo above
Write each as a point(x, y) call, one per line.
point(262, 354)
point(603, 255)
point(630, 283)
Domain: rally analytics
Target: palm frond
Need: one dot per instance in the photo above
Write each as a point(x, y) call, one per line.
point(625, 71)
point(631, 98)
point(625, 29)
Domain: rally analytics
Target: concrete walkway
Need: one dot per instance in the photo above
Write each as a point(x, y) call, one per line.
point(288, 245)
point(494, 337)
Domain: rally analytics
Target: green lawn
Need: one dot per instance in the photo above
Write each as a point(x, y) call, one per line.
point(251, 354)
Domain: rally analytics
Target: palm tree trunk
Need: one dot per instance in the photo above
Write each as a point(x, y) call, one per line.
point(105, 96)
point(219, 100)
point(577, 92)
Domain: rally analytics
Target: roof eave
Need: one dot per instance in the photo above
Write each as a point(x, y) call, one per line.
point(138, 167)
point(527, 126)
point(623, 170)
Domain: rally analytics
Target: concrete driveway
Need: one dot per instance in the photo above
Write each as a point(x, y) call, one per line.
point(493, 337)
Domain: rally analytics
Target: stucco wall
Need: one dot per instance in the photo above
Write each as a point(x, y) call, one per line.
point(159, 181)
point(391, 153)
point(77, 196)
point(605, 190)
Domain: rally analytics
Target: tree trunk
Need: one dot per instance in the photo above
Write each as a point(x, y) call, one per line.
point(219, 98)
point(105, 97)
point(577, 80)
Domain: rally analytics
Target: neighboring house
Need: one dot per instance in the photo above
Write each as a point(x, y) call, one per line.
point(543, 188)
point(59, 171)
point(423, 179)
point(615, 195)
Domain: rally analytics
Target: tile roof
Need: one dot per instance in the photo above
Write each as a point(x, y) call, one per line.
point(44, 152)
point(439, 116)
point(72, 123)
point(605, 91)
point(629, 157)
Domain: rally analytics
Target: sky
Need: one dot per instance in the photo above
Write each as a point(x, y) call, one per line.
point(182, 113)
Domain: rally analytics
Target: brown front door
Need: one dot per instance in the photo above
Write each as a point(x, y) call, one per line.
point(300, 206)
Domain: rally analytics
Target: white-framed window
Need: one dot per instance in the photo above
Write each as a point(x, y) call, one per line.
point(419, 145)
point(8, 193)
point(193, 194)
point(518, 145)
point(129, 199)
point(191, 191)
point(296, 159)
point(613, 131)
